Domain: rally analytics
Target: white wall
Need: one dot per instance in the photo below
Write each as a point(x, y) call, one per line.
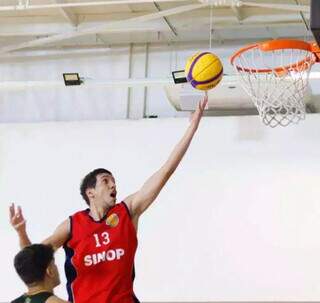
point(239, 220)
point(83, 103)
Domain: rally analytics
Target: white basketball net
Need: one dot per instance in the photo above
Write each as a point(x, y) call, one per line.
point(278, 94)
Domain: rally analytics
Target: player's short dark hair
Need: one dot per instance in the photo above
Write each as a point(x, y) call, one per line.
point(90, 180)
point(32, 262)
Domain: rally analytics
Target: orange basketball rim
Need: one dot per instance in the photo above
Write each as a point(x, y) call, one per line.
point(275, 74)
point(275, 45)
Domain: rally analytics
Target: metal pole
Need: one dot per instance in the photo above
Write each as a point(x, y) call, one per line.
point(146, 69)
point(129, 76)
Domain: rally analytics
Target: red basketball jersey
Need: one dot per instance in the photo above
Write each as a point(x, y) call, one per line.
point(100, 257)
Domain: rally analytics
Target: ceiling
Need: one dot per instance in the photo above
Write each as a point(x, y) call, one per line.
point(34, 24)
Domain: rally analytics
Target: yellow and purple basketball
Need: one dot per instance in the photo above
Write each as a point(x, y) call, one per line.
point(204, 70)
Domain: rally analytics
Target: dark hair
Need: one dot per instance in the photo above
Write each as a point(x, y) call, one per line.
point(90, 180)
point(32, 262)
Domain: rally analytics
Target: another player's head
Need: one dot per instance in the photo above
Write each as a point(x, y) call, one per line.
point(99, 188)
point(35, 266)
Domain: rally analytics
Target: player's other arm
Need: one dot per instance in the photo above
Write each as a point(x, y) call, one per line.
point(59, 236)
point(18, 222)
point(141, 200)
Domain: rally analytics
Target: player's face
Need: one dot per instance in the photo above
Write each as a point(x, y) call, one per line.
point(105, 190)
point(53, 274)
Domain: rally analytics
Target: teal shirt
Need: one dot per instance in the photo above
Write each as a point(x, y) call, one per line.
point(37, 298)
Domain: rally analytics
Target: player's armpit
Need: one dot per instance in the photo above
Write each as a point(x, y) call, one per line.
point(128, 202)
point(60, 235)
point(142, 199)
point(54, 299)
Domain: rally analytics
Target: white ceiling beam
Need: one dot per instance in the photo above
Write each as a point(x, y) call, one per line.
point(243, 26)
point(143, 82)
point(133, 29)
point(195, 20)
point(258, 3)
point(199, 19)
point(96, 19)
point(137, 29)
point(67, 14)
point(190, 28)
point(279, 6)
point(57, 52)
point(23, 6)
point(102, 28)
point(53, 28)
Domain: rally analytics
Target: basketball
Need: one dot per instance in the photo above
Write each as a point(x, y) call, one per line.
point(204, 70)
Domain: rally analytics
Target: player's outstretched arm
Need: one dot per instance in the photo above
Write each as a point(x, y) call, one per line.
point(141, 200)
point(18, 222)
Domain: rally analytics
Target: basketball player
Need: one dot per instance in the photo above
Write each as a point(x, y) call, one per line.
point(36, 267)
point(100, 242)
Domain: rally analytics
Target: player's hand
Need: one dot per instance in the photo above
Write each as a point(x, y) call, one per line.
point(196, 116)
point(16, 218)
